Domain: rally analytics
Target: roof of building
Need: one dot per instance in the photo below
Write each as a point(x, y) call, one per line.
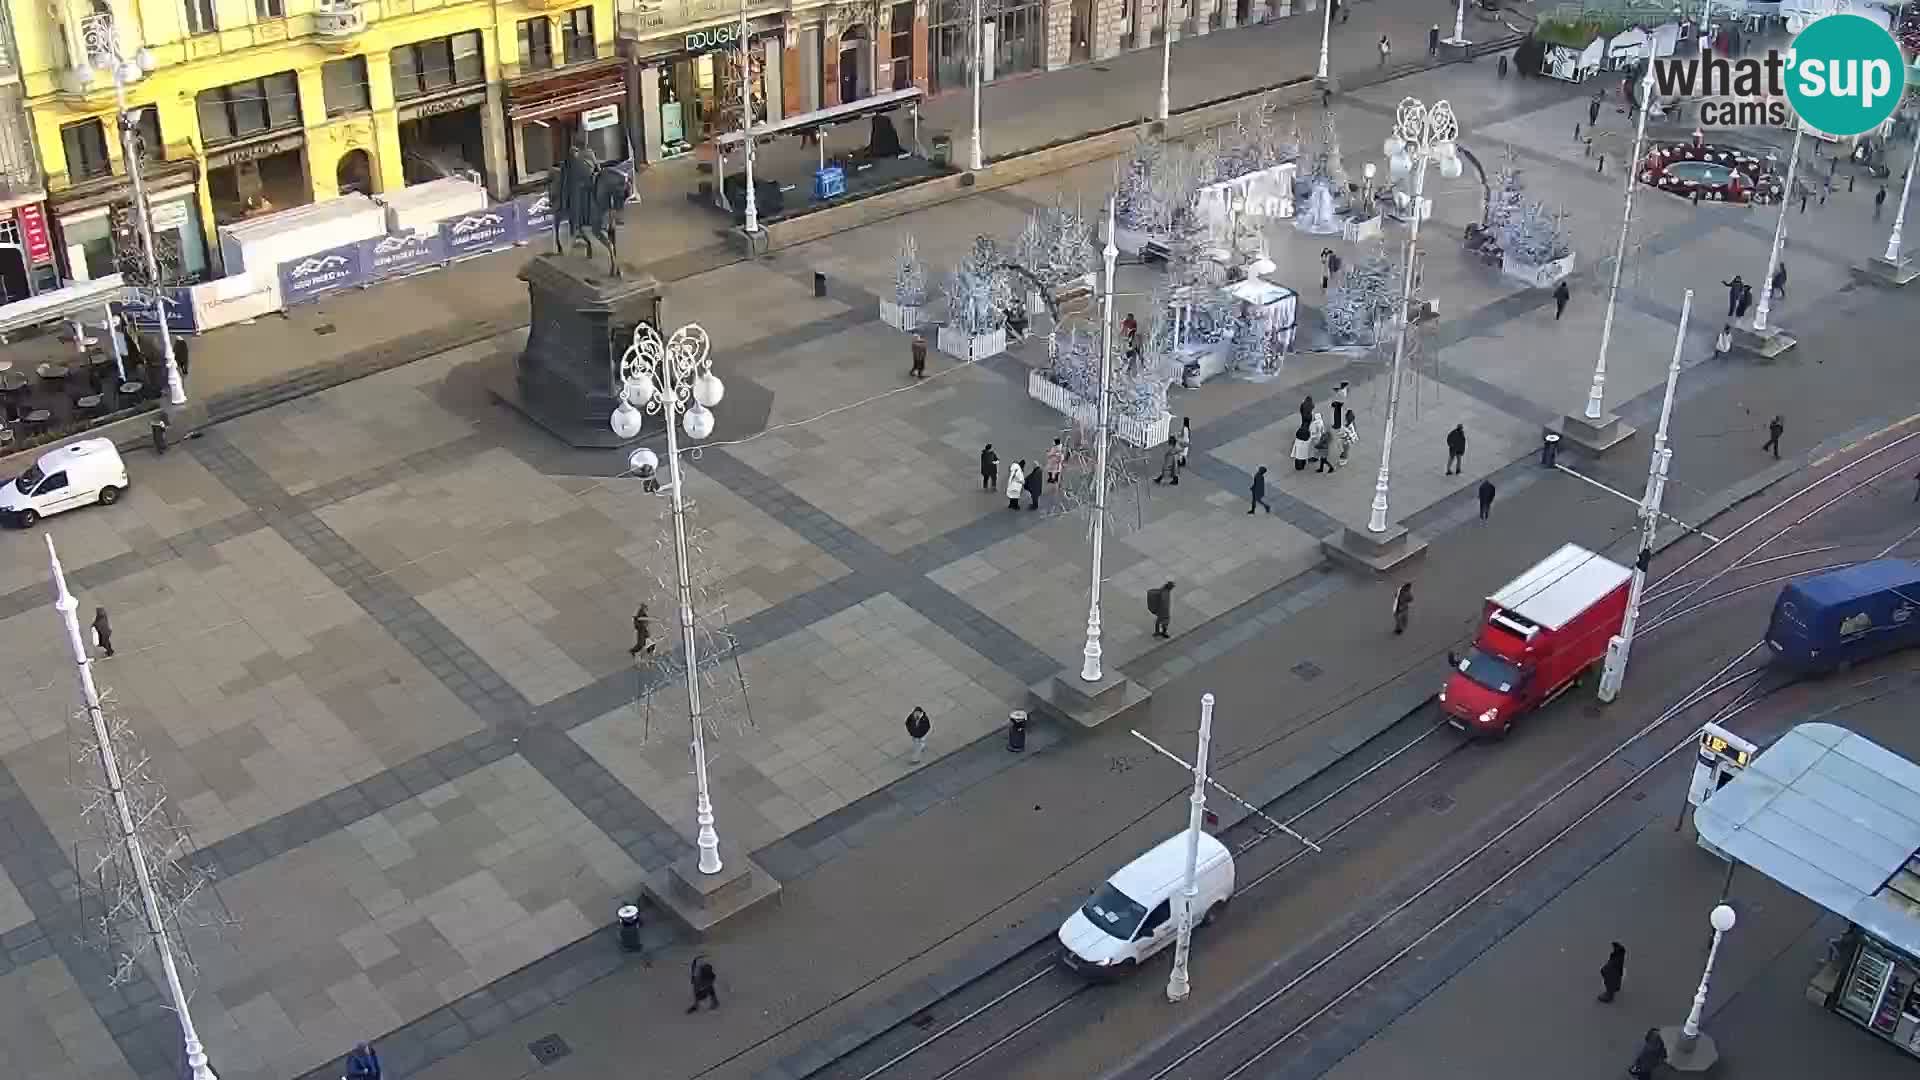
point(1561, 586)
point(1836, 818)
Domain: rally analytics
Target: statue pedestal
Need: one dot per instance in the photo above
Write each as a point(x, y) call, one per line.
point(583, 320)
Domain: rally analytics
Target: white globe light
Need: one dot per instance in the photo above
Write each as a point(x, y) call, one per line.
point(708, 389)
point(642, 460)
point(129, 72)
point(1393, 146)
point(1367, 170)
point(1400, 164)
point(639, 387)
point(698, 422)
point(147, 61)
point(1722, 918)
point(1450, 167)
point(626, 420)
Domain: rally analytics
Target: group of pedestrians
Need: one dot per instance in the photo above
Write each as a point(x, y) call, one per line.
point(1324, 445)
point(1173, 457)
point(1022, 479)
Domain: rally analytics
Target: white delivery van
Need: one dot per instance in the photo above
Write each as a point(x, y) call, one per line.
point(77, 474)
point(1136, 913)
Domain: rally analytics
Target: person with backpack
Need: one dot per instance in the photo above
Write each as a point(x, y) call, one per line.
point(1402, 606)
point(1160, 605)
point(918, 728)
point(705, 984)
point(363, 1063)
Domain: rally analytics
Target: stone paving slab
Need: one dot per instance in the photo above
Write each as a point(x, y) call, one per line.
point(48, 1029)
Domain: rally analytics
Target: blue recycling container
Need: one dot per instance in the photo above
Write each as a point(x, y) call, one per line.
point(830, 182)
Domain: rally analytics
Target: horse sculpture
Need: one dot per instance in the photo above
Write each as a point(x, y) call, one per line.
point(586, 198)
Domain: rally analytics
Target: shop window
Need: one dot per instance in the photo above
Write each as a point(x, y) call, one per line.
point(536, 44)
point(200, 17)
point(248, 108)
point(577, 34)
point(428, 66)
point(902, 50)
point(269, 9)
point(86, 144)
point(344, 82)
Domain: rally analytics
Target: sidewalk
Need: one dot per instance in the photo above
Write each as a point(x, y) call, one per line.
point(1653, 895)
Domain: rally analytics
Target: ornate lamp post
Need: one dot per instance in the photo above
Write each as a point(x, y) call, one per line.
point(675, 377)
point(1779, 233)
point(752, 223)
point(1596, 395)
point(1420, 135)
point(103, 49)
point(1179, 984)
point(1459, 38)
point(1090, 669)
point(979, 160)
point(1326, 33)
point(127, 827)
point(1166, 57)
point(1688, 1049)
point(1900, 215)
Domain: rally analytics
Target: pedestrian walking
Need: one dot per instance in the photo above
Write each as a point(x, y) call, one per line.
point(1340, 410)
point(1776, 427)
point(1170, 462)
point(1486, 498)
point(1804, 195)
point(1056, 461)
point(704, 984)
point(919, 368)
point(1826, 189)
point(1306, 407)
point(1746, 299)
point(1851, 177)
point(1916, 485)
point(1502, 65)
point(1652, 1055)
point(1779, 283)
point(1033, 485)
point(1326, 267)
point(1385, 50)
point(1186, 439)
point(1402, 606)
point(363, 1063)
point(102, 631)
point(1302, 445)
point(1016, 482)
point(1160, 604)
point(918, 728)
point(1260, 491)
point(1879, 201)
point(989, 468)
point(1323, 450)
point(1456, 448)
point(1612, 970)
point(1734, 288)
point(1433, 41)
point(642, 633)
point(1593, 110)
point(1561, 294)
point(1349, 435)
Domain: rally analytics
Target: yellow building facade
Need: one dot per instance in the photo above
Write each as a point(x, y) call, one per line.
point(244, 107)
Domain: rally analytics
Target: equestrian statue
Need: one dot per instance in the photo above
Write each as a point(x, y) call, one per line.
point(586, 198)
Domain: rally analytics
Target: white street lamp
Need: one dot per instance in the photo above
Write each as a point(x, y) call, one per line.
point(1326, 32)
point(1178, 983)
point(1166, 58)
point(675, 378)
point(1614, 672)
point(1689, 1049)
point(1779, 232)
point(1722, 921)
point(1459, 38)
point(1894, 254)
point(979, 59)
point(752, 224)
point(1090, 669)
point(103, 49)
point(124, 822)
point(1597, 394)
point(1420, 135)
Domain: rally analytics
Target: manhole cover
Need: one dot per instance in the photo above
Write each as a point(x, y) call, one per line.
point(324, 329)
point(1440, 804)
point(1307, 670)
point(548, 1049)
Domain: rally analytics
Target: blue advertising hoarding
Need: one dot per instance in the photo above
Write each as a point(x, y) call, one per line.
point(368, 262)
point(137, 305)
point(408, 253)
point(322, 272)
point(535, 216)
point(482, 231)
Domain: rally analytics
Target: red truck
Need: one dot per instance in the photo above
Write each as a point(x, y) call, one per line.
point(1543, 631)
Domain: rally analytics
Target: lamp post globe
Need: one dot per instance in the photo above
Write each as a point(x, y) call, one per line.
point(1722, 918)
point(128, 72)
point(697, 421)
point(643, 460)
point(708, 389)
point(626, 420)
point(639, 387)
point(144, 59)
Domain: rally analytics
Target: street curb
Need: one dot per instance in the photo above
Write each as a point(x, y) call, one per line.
point(1404, 697)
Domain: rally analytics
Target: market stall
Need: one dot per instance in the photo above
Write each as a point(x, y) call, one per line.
point(1836, 818)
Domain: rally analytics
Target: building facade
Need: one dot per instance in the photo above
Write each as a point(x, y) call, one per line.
point(27, 258)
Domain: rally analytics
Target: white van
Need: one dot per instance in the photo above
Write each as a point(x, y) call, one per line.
point(79, 473)
point(1136, 913)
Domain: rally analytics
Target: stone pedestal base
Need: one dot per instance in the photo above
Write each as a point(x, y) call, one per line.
point(583, 319)
point(1594, 436)
point(1379, 553)
point(1455, 49)
point(1762, 344)
point(1689, 1057)
point(1889, 274)
point(1067, 697)
point(703, 901)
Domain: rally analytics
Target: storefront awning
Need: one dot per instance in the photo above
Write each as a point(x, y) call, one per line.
point(80, 300)
point(829, 116)
point(567, 92)
point(1832, 816)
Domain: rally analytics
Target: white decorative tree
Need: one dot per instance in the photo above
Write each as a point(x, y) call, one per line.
point(1259, 346)
point(1504, 198)
point(909, 287)
point(1068, 254)
point(1327, 158)
point(979, 293)
point(1134, 189)
point(1538, 236)
point(1368, 292)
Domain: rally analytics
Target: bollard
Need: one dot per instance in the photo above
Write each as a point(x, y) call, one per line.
point(1549, 446)
point(159, 430)
point(629, 917)
point(1602, 167)
point(1016, 731)
point(819, 285)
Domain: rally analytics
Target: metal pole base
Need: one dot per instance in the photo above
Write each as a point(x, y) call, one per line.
point(1684, 1055)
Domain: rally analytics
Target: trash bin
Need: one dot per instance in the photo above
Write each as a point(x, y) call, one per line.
point(629, 917)
point(819, 285)
point(1549, 446)
point(941, 155)
point(1016, 731)
point(159, 431)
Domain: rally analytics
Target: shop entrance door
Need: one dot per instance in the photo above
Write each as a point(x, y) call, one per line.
point(1082, 31)
point(855, 58)
point(14, 284)
point(435, 147)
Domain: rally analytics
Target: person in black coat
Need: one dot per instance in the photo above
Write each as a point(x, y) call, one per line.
point(1486, 498)
point(705, 984)
point(1652, 1055)
point(1561, 294)
point(1160, 605)
point(1456, 448)
point(989, 468)
point(1734, 289)
point(1613, 971)
point(1260, 491)
point(103, 630)
point(1035, 477)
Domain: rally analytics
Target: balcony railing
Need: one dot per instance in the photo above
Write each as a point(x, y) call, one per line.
point(339, 18)
point(640, 18)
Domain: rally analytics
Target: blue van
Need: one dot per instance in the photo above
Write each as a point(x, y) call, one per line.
point(1843, 617)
